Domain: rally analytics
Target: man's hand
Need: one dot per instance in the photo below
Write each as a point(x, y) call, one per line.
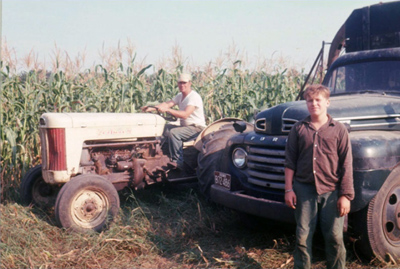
point(291, 199)
point(147, 109)
point(343, 205)
point(163, 107)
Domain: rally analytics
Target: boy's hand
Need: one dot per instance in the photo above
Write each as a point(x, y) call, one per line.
point(290, 199)
point(343, 205)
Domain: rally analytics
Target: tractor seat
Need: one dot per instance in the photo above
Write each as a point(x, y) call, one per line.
point(189, 143)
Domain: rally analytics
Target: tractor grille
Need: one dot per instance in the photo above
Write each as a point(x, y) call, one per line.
point(53, 149)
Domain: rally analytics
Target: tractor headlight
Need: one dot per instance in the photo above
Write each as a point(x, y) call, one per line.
point(239, 158)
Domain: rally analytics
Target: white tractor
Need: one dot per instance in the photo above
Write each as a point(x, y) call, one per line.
point(88, 157)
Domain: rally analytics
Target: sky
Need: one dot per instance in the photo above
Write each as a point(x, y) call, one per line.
point(203, 30)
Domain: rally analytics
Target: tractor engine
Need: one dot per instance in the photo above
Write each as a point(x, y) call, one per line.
point(133, 163)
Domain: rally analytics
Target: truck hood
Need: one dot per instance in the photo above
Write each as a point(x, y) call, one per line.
point(359, 112)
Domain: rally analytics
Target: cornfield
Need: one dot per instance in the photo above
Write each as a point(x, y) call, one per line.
point(226, 92)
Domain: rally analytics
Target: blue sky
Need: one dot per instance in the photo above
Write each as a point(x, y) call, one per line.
point(202, 29)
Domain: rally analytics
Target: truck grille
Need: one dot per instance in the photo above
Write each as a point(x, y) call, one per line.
point(266, 167)
point(287, 124)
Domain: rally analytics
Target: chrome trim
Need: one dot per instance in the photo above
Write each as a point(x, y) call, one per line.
point(245, 158)
point(263, 124)
point(374, 124)
point(264, 159)
point(268, 184)
point(368, 117)
point(273, 168)
point(266, 151)
point(287, 124)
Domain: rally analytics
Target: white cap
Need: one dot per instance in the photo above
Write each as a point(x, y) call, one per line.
point(184, 77)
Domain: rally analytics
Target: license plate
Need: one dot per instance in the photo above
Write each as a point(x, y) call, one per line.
point(222, 179)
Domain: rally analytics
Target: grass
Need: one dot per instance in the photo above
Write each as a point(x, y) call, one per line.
point(159, 227)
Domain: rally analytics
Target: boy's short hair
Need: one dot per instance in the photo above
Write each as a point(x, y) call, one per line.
point(316, 89)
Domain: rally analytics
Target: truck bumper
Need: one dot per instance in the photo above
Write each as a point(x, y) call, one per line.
point(255, 206)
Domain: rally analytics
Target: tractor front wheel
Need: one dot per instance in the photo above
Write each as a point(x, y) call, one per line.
point(87, 202)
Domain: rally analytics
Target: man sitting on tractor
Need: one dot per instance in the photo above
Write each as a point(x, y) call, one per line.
point(190, 114)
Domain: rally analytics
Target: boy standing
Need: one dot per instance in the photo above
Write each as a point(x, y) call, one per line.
point(319, 179)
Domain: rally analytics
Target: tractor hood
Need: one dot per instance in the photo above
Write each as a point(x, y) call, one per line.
point(95, 126)
point(83, 120)
point(359, 112)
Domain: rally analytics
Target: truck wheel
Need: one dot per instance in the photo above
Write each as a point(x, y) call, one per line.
point(210, 155)
point(87, 202)
point(383, 219)
point(34, 190)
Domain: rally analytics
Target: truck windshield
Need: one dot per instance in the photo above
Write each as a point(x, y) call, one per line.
point(378, 76)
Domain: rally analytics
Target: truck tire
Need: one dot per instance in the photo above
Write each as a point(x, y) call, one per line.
point(210, 155)
point(87, 202)
point(34, 190)
point(383, 220)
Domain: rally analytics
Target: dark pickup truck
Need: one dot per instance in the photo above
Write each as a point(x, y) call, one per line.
point(365, 96)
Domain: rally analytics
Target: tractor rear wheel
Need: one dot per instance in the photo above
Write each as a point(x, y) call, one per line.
point(209, 157)
point(34, 190)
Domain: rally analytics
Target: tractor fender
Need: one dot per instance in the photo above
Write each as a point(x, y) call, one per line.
point(211, 128)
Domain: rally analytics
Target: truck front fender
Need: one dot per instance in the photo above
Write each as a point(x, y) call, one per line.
point(375, 155)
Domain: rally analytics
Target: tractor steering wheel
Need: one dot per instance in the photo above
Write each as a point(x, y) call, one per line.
point(165, 115)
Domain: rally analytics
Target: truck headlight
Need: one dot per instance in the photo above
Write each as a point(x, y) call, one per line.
point(239, 158)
